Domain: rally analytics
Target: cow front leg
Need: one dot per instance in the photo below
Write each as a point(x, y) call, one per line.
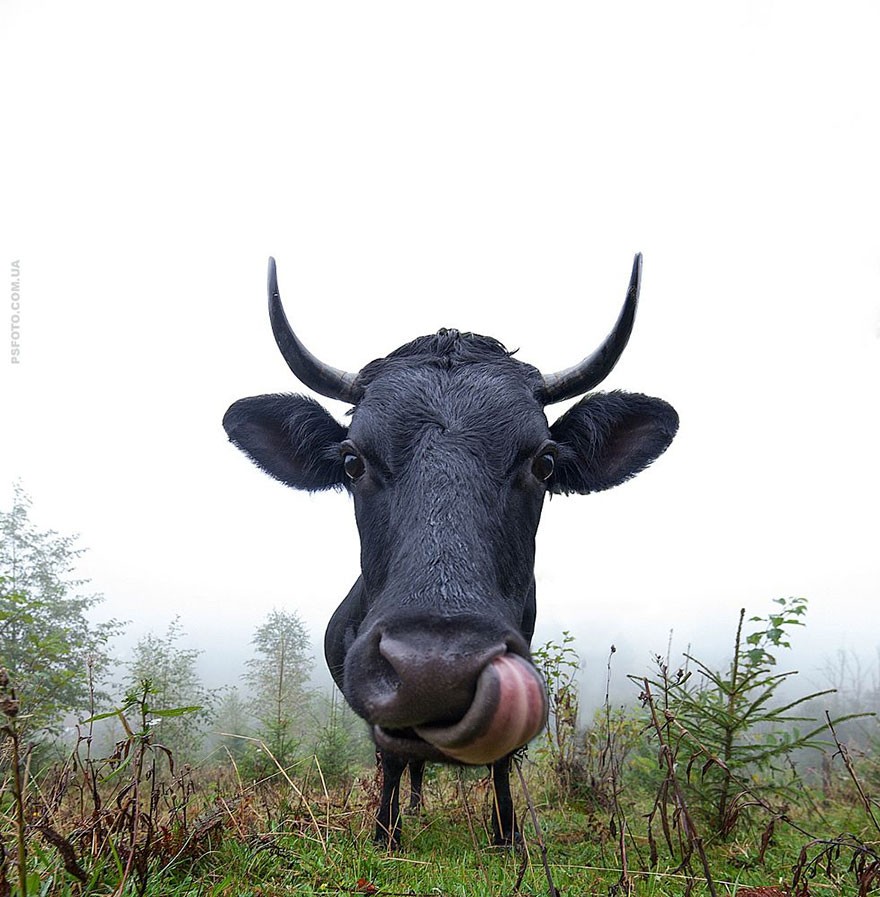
point(388, 826)
point(416, 778)
point(504, 828)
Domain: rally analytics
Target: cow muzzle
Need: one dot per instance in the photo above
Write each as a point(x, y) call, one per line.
point(509, 709)
point(447, 700)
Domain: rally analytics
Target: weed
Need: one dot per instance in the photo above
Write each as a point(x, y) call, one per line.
point(559, 664)
point(9, 707)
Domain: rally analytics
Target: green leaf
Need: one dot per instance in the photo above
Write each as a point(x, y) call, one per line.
point(176, 711)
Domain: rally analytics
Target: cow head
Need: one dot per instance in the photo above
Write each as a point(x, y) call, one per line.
point(448, 456)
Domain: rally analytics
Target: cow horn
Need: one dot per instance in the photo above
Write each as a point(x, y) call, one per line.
point(577, 380)
point(326, 380)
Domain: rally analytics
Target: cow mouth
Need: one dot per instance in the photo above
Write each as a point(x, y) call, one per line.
point(508, 710)
point(406, 743)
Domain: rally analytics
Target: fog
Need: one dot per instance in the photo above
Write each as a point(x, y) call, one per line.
point(482, 166)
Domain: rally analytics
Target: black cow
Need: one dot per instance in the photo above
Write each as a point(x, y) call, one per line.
point(448, 456)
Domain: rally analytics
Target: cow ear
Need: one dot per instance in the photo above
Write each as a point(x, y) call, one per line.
point(607, 438)
point(292, 438)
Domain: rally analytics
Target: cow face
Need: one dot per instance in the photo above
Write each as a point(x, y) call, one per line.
point(448, 457)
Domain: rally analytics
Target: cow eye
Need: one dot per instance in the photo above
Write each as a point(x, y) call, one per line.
point(543, 466)
point(353, 465)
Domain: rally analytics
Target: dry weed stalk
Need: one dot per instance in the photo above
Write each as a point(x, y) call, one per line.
point(867, 802)
point(689, 837)
point(9, 707)
point(542, 846)
point(470, 824)
point(609, 761)
point(864, 863)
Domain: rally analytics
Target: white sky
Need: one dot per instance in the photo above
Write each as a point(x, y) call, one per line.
point(491, 167)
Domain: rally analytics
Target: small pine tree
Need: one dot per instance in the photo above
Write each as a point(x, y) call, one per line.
point(171, 677)
point(278, 680)
point(234, 724)
point(731, 733)
point(341, 744)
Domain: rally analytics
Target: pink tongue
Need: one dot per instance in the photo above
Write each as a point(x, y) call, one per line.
point(508, 710)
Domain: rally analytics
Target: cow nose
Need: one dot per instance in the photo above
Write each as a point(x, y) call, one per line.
point(432, 670)
point(408, 659)
point(413, 668)
point(430, 682)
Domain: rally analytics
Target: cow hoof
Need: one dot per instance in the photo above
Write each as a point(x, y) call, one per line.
point(516, 847)
point(382, 840)
point(507, 845)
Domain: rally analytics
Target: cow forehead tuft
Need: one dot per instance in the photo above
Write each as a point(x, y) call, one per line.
point(451, 350)
point(447, 341)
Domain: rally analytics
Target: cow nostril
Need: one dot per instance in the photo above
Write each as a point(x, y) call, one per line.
point(398, 657)
point(516, 645)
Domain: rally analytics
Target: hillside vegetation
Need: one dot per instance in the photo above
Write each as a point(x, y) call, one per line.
point(716, 780)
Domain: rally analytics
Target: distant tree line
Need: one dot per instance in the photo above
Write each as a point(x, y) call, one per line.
point(58, 660)
point(59, 665)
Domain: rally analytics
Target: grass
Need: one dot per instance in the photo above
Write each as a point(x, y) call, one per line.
point(626, 807)
point(292, 835)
